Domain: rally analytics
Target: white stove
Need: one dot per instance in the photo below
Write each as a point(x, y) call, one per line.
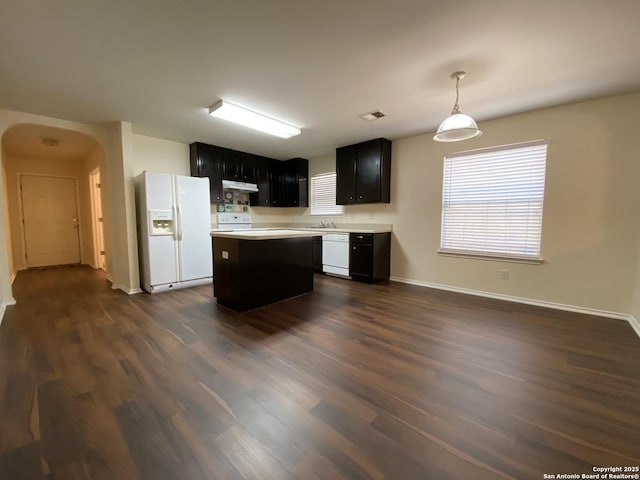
point(234, 221)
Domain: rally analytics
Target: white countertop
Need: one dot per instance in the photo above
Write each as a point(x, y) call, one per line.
point(369, 229)
point(259, 234)
point(365, 228)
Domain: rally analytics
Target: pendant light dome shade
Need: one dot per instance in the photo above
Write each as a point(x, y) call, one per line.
point(458, 126)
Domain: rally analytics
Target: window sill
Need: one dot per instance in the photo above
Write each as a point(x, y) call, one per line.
point(491, 257)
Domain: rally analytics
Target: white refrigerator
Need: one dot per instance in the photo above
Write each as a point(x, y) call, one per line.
point(174, 226)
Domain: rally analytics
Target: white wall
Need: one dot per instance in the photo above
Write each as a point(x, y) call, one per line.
point(163, 156)
point(158, 155)
point(590, 228)
point(7, 230)
point(7, 270)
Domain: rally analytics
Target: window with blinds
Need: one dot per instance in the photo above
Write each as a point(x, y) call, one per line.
point(492, 201)
point(323, 195)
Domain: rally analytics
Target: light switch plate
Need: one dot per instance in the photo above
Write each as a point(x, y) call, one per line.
point(225, 255)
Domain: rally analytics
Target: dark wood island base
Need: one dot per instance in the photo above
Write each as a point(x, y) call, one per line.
point(255, 272)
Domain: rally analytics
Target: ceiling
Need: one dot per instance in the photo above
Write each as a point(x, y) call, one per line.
point(317, 64)
point(41, 141)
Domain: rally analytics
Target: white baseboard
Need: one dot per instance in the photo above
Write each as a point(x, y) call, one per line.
point(528, 301)
point(633, 321)
point(3, 307)
point(108, 277)
point(13, 277)
point(128, 291)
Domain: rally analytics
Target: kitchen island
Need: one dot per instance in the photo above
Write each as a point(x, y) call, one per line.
point(252, 268)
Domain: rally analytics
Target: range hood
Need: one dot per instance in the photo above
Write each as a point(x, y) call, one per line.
point(239, 186)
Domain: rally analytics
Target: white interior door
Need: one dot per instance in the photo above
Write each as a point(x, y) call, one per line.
point(50, 214)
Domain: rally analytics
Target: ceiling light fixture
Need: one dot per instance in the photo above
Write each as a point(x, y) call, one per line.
point(50, 141)
point(457, 126)
point(247, 118)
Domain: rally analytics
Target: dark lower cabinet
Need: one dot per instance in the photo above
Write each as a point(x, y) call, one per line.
point(250, 273)
point(317, 254)
point(370, 256)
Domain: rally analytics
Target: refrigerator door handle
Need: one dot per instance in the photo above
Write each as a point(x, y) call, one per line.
point(179, 222)
point(175, 222)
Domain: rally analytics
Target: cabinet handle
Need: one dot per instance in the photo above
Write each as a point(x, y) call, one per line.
point(360, 196)
point(353, 248)
point(360, 236)
point(350, 198)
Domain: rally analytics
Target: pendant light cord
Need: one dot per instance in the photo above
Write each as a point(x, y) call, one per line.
point(456, 106)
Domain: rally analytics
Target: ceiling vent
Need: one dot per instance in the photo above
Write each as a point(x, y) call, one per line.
point(373, 115)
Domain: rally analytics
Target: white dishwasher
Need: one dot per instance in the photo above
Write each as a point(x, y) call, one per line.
point(335, 254)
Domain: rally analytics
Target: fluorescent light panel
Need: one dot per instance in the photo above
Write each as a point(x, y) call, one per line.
point(242, 116)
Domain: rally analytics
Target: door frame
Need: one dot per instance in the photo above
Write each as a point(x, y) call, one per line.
point(23, 237)
point(96, 193)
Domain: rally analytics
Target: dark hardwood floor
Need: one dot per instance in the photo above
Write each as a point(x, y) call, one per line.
point(353, 381)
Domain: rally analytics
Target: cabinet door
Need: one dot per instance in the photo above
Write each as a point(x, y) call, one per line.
point(248, 168)
point(290, 184)
point(231, 165)
point(346, 175)
point(263, 197)
point(276, 182)
point(303, 182)
point(368, 172)
point(206, 161)
point(361, 262)
point(317, 254)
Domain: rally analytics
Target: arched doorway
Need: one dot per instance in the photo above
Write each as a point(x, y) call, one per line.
point(48, 196)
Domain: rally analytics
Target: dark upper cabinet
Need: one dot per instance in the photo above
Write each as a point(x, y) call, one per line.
point(262, 198)
point(276, 183)
point(248, 168)
point(289, 183)
point(206, 161)
point(346, 175)
point(280, 184)
point(363, 172)
point(231, 165)
point(238, 166)
point(297, 182)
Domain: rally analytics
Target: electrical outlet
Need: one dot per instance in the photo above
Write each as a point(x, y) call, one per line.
point(504, 274)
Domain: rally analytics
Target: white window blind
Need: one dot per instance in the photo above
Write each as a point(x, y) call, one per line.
point(492, 201)
point(323, 195)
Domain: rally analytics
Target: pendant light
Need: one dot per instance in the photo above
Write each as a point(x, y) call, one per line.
point(457, 126)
